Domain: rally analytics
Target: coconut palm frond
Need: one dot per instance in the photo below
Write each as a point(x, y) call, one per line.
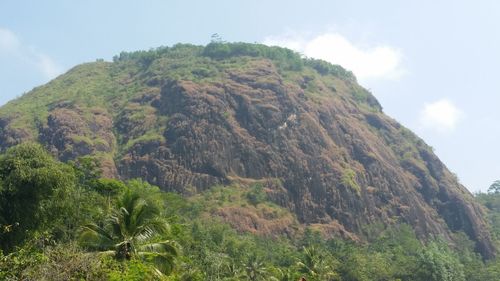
point(94, 236)
point(129, 230)
point(163, 262)
point(150, 228)
point(168, 247)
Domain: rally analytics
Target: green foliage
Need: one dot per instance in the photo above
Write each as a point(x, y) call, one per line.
point(437, 263)
point(256, 194)
point(83, 86)
point(255, 269)
point(134, 270)
point(14, 265)
point(150, 136)
point(491, 201)
point(349, 180)
point(32, 185)
point(62, 262)
point(86, 170)
point(326, 68)
point(146, 57)
point(109, 186)
point(494, 187)
point(135, 225)
point(318, 265)
point(286, 59)
point(133, 228)
point(365, 98)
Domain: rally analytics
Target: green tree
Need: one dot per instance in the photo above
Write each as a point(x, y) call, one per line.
point(437, 263)
point(316, 264)
point(87, 170)
point(256, 195)
point(33, 194)
point(368, 266)
point(255, 268)
point(134, 228)
point(494, 187)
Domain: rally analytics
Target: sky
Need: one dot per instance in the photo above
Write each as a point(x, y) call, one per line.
point(433, 65)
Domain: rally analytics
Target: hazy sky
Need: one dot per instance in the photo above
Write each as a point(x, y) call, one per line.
point(433, 65)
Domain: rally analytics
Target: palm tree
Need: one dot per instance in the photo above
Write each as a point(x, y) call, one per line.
point(255, 269)
point(283, 274)
point(132, 230)
point(316, 265)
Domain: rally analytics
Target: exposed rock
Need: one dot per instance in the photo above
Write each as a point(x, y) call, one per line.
point(71, 132)
point(262, 222)
point(10, 136)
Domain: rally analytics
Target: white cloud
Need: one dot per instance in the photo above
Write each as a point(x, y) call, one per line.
point(47, 66)
point(441, 116)
point(11, 46)
point(375, 62)
point(8, 40)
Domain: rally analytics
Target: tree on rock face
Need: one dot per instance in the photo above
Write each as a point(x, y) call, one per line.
point(132, 230)
point(30, 179)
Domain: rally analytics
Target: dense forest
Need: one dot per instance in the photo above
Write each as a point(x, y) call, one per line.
point(64, 221)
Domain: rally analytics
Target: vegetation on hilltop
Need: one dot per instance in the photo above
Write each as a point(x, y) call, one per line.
point(285, 59)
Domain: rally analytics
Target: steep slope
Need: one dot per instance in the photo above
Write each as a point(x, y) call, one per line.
point(186, 118)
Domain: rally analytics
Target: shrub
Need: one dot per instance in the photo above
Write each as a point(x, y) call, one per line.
point(349, 180)
point(256, 195)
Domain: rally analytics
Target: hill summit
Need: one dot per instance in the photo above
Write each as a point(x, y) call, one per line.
point(189, 117)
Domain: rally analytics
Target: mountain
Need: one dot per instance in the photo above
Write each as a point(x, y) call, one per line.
point(187, 118)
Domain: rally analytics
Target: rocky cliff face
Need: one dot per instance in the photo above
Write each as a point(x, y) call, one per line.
point(188, 122)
